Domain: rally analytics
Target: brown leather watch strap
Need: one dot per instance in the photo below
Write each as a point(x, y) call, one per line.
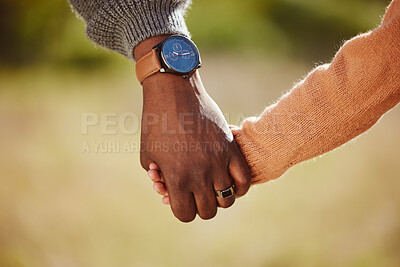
point(147, 65)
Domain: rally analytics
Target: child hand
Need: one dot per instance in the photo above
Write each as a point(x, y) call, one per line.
point(159, 183)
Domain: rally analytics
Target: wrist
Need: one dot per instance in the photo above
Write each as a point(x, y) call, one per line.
point(161, 88)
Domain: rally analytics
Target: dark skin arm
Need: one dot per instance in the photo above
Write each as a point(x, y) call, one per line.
point(185, 133)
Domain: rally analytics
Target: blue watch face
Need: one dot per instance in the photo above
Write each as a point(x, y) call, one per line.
point(180, 54)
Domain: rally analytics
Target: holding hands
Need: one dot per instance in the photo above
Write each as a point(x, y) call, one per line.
point(185, 133)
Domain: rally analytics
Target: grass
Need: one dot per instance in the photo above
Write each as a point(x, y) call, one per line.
point(62, 207)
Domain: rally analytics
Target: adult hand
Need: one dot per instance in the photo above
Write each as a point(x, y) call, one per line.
point(185, 133)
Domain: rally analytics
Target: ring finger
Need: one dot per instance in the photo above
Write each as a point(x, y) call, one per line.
point(224, 185)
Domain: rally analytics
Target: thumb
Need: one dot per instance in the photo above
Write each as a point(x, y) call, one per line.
point(240, 173)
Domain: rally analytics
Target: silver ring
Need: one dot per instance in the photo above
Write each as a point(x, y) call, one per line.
point(227, 193)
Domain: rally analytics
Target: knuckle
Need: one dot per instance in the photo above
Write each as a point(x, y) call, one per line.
point(240, 191)
point(243, 182)
point(207, 208)
point(199, 172)
point(227, 204)
point(209, 214)
point(203, 182)
point(183, 213)
point(187, 218)
point(179, 182)
point(222, 182)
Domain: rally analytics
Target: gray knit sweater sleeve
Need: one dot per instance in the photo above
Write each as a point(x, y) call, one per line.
point(120, 25)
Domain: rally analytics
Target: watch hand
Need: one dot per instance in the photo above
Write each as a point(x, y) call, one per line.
point(182, 54)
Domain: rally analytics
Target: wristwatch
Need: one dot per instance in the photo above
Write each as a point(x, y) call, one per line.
point(177, 55)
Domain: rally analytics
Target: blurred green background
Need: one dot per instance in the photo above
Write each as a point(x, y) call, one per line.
point(60, 206)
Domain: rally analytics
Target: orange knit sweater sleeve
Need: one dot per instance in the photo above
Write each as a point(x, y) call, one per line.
point(333, 104)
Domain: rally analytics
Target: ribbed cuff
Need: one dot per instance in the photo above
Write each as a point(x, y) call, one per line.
point(120, 25)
